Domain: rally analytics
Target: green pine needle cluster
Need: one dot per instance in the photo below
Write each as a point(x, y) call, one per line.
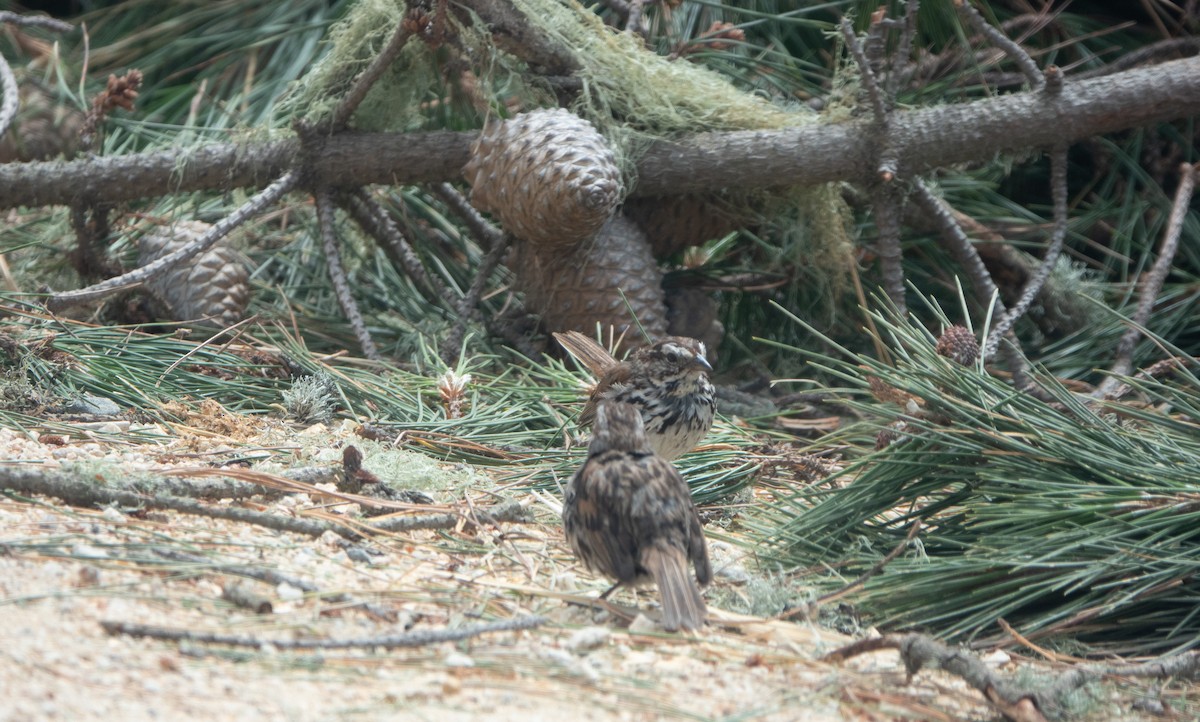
point(1066, 517)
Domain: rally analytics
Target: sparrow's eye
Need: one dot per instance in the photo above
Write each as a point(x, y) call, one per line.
point(672, 356)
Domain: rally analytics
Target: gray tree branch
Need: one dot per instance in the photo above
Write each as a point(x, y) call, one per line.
point(922, 139)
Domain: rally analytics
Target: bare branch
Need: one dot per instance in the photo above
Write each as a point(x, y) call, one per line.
point(486, 235)
point(36, 21)
point(886, 199)
point(955, 240)
point(903, 48)
point(375, 220)
point(363, 84)
point(878, 106)
point(155, 268)
point(1152, 285)
point(1000, 40)
point(337, 274)
point(11, 98)
point(1058, 191)
point(922, 139)
point(390, 641)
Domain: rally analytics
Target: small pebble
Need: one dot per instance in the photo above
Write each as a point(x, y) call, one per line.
point(458, 659)
point(288, 593)
point(87, 551)
point(587, 639)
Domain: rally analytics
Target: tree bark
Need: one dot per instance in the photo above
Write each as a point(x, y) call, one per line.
point(921, 140)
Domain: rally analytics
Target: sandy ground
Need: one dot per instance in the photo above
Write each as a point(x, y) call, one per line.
point(64, 570)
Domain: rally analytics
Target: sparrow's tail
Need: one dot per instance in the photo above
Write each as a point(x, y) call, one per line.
point(681, 601)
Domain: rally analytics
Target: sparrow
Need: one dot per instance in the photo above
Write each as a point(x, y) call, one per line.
point(629, 515)
point(667, 382)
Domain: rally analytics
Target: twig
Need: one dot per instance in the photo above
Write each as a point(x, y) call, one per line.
point(486, 235)
point(1152, 285)
point(1021, 705)
point(955, 240)
point(85, 492)
point(506, 511)
point(1000, 40)
point(885, 199)
point(878, 107)
point(11, 98)
point(156, 268)
point(362, 85)
point(389, 641)
point(1058, 191)
point(337, 274)
point(1026, 642)
point(40, 480)
point(918, 651)
point(91, 226)
point(35, 21)
point(878, 567)
point(633, 21)
point(273, 577)
point(376, 221)
point(1155, 52)
point(900, 59)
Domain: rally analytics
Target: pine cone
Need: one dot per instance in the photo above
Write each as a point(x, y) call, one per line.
point(958, 344)
point(212, 288)
point(592, 286)
point(548, 175)
point(673, 223)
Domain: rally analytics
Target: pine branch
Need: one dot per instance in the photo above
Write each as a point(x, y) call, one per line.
point(922, 139)
point(156, 268)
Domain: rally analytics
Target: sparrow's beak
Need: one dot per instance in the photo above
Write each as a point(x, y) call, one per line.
point(703, 363)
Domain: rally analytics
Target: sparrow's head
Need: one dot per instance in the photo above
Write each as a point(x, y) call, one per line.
point(618, 426)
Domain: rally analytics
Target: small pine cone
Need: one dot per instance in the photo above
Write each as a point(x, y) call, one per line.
point(212, 288)
point(593, 285)
point(895, 432)
point(548, 175)
point(44, 127)
point(959, 345)
point(673, 223)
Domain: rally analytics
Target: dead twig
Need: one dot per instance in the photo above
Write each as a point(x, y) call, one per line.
point(35, 21)
point(1152, 285)
point(869, 82)
point(156, 268)
point(1033, 287)
point(1002, 41)
point(878, 567)
point(85, 492)
point(387, 641)
point(375, 220)
point(1015, 703)
point(955, 240)
point(337, 274)
point(885, 196)
point(11, 97)
point(363, 84)
point(273, 577)
point(8, 81)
